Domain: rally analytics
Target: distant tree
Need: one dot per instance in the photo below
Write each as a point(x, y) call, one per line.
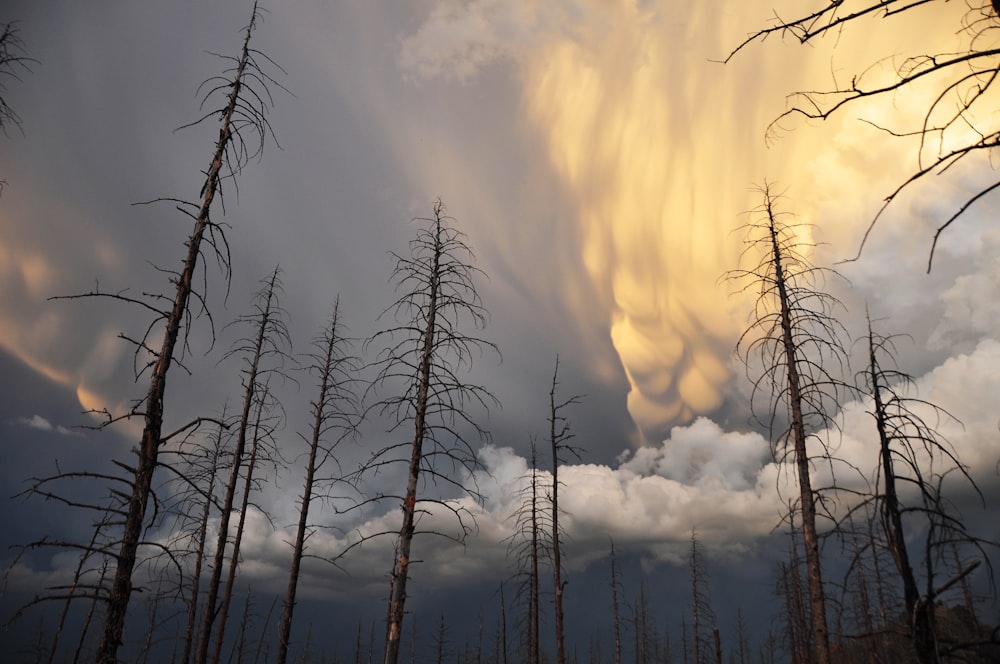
point(616, 622)
point(958, 121)
point(702, 614)
point(205, 463)
point(424, 355)
point(792, 340)
point(559, 442)
point(334, 418)
point(530, 546)
point(263, 353)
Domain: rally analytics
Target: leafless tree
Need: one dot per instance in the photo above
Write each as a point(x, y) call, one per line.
point(530, 546)
point(616, 622)
point(263, 354)
point(242, 133)
point(702, 614)
point(914, 459)
point(559, 442)
point(334, 418)
point(958, 123)
point(426, 355)
point(205, 462)
point(792, 341)
point(14, 61)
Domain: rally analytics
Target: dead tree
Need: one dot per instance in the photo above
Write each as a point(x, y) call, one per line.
point(14, 60)
point(958, 122)
point(243, 129)
point(334, 418)
point(426, 355)
point(702, 614)
point(616, 622)
point(209, 462)
point(792, 340)
point(530, 547)
point(263, 354)
point(266, 421)
point(913, 458)
point(559, 442)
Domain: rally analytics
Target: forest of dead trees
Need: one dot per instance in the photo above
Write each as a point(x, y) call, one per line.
point(879, 565)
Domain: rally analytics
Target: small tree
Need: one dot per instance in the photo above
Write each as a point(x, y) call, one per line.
point(424, 356)
point(530, 545)
point(702, 614)
point(616, 621)
point(559, 442)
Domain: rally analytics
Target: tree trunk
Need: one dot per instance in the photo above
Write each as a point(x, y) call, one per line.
point(202, 537)
point(249, 396)
point(810, 541)
point(319, 421)
point(121, 588)
point(234, 558)
point(614, 607)
point(401, 571)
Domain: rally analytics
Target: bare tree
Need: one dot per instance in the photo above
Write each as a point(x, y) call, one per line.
point(14, 60)
point(209, 462)
point(958, 122)
point(702, 614)
point(792, 339)
point(424, 355)
point(529, 544)
point(559, 441)
point(913, 458)
point(263, 354)
point(616, 623)
point(334, 417)
point(243, 130)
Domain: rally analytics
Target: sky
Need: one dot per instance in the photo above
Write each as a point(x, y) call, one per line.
point(600, 159)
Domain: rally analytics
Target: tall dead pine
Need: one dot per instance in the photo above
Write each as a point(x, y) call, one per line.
point(428, 354)
point(263, 353)
point(792, 339)
point(333, 419)
point(242, 114)
point(559, 438)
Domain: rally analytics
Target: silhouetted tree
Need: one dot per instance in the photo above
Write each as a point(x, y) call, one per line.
point(242, 132)
point(334, 417)
point(559, 441)
point(793, 337)
point(530, 545)
point(958, 121)
point(14, 60)
point(702, 614)
point(424, 355)
point(616, 622)
point(263, 354)
point(913, 458)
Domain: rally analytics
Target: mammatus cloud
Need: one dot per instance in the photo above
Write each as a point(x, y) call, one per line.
point(609, 89)
point(660, 148)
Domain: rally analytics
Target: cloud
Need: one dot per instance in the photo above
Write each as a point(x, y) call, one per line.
point(40, 423)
